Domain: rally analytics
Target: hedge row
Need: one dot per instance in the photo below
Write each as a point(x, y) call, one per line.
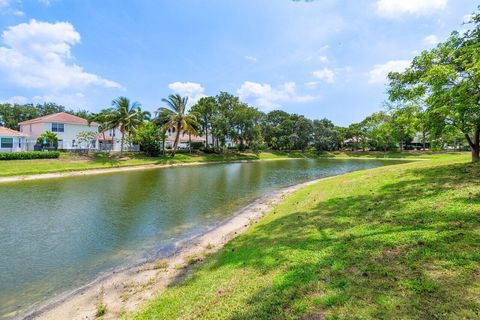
point(29, 155)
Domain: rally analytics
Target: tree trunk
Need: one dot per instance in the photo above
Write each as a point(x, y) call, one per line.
point(121, 143)
point(474, 144)
point(423, 141)
point(175, 144)
point(189, 142)
point(163, 146)
point(206, 137)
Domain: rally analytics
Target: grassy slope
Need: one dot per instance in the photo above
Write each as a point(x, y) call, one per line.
point(70, 162)
point(399, 242)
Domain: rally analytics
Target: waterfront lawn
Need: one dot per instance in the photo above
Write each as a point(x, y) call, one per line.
point(396, 242)
point(72, 162)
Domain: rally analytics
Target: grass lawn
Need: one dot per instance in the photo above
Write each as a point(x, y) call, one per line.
point(71, 162)
point(398, 242)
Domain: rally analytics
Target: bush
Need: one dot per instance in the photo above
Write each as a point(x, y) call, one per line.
point(150, 138)
point(29, 155)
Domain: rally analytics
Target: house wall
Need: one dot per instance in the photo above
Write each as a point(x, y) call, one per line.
point(19, 144)
point(67, 140)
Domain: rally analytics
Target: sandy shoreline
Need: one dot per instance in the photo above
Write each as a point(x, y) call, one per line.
point(126, 290)
point(55, 175)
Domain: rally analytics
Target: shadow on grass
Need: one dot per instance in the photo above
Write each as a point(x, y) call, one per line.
point(408, 249)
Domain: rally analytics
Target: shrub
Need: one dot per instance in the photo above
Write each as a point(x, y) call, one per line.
point(48, 139)
point(29, 155)
point(150, 138)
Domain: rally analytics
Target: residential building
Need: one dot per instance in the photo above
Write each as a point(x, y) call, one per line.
point(111, 140)
point(65, 125)
point(12, 141)
point(184, 139)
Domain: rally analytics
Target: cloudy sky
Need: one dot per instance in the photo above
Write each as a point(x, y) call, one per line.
point(322, 58)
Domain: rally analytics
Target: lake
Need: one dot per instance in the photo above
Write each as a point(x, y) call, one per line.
point(59, 234)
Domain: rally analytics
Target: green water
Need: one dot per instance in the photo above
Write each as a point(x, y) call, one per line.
point(57, 235)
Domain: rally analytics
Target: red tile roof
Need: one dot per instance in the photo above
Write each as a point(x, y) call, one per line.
point(61, 117)
point(9, 132)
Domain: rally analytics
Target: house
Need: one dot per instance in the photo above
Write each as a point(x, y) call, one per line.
point(184, 139)
point(65, 125)
point(111, 140)
point(12, 141)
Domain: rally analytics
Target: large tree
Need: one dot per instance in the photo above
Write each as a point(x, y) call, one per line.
point(324, 135)
point(447, 80)
point(177, 117)
point(206, 110)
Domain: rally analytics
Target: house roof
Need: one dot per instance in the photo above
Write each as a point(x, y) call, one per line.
point(10, 133)
point(62, 117)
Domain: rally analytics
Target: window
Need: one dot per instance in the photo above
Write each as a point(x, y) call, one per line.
point(6, 143)
point(58, 127)
point(20, 143)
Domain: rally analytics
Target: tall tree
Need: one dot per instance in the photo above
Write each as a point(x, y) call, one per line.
point(206, 109)
point(447, 80)
point(302, 133)
point(177, 117)
point(324, 134)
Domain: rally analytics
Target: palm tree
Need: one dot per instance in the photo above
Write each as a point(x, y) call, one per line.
point(126, 116)
point(102, 118)
point(176, 117)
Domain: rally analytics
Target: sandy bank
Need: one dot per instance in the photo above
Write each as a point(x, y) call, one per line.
point(124, 291)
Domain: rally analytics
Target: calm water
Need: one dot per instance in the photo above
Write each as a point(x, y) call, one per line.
point(56, 235)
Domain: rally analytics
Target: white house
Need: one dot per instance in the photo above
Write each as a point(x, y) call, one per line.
point(184, 139)
point(111, 140)
point(65, 125)
point(12, 141)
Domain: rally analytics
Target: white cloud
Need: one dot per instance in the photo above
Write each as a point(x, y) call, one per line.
point(16, 100)
point(380, 72)
point(18, 13)
point(194, 91)
point(325, 74)
point(69, 100)
point(266, 97)
point(394, 8)
point(5, 3)
point(431, 40)
point(6, 8)
point(38, 55)
point(312, 84)
point(320, 58)
point(251, 58)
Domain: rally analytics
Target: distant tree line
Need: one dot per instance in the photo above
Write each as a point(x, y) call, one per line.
point(433, 104)
point(225, 118)
point(12, 114)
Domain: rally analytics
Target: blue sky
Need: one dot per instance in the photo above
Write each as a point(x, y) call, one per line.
point(323, 58)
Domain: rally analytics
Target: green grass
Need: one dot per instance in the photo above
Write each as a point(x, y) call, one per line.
point(397, 242)
point(71, 162)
